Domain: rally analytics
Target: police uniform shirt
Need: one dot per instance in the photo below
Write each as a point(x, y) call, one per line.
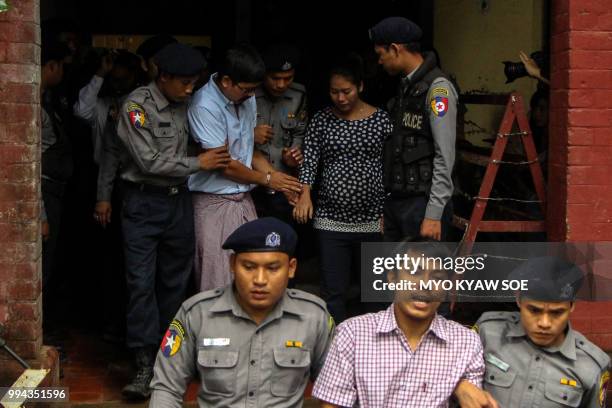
point(239, 363)
point(287, 115)
point(155, 133)
point(442, 115)
point(521, 374)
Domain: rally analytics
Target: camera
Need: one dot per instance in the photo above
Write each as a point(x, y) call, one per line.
point(515, 70)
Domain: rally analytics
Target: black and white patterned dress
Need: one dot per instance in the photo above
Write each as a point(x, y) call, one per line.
point(348, 154)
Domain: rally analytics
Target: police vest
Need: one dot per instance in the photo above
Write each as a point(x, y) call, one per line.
point(409, 151)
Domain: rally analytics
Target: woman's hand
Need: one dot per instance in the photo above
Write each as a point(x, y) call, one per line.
point(302, 212)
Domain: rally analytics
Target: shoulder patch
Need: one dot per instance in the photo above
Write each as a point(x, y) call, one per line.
point(136, 114)
point(439, 105)
point(439, 91)
point(597, 354)
point(603, 388)
point(173, 339)
point(202, 296)
point(309, 297)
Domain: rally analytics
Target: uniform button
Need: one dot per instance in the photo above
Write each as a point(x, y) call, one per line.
point(538, 358)
point(565, 397)
point(251, 393)
point(530, 387)
point(293, 292)
point(252, 362)
point(216, 361)
point(492, 377)
point(581, 342)
point(292, 361)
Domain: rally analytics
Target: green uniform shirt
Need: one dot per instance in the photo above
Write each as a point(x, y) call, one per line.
point(240, 363)
point(520, 374)
point(155, 133)
point(287, 115)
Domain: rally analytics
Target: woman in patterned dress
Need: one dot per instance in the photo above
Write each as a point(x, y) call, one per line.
point(344, 142)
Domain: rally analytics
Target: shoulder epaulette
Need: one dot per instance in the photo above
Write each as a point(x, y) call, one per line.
point(202, 296)
point(597, 354)
point(300, 294)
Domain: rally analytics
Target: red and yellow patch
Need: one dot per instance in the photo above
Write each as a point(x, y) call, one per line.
point(439, 105)
point(603, 388)
point(137, 115)
point(173, 339)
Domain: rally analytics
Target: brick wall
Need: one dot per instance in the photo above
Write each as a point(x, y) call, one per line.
point(580, 168)
point(20, 275)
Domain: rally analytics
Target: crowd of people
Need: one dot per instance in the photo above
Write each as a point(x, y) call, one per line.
point(204, 176)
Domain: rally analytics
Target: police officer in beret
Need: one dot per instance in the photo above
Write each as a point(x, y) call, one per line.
point(420, 154)
point(253, 343)
point(281, 124)
point(149, 48)
point(157, 213)
point(533, 357)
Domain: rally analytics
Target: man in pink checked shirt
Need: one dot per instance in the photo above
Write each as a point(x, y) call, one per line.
point(405, 356)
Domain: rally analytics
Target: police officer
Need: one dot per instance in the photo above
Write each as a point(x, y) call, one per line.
point(157, 213)
point(254, 343)
point(533, 357)
point(147, 51)
point(281, 125)
point(419, 156)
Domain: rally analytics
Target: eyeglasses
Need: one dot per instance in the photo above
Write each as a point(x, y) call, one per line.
point(246, 91)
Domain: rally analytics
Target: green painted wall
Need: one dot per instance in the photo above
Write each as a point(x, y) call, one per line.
point(472, 43)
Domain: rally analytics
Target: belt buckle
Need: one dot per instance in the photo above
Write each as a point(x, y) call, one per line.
point(270, 191)
point(173, 190)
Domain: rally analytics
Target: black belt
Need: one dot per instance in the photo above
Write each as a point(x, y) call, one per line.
point(150, 188)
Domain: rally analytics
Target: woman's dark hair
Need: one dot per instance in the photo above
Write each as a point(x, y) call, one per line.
point(349, 66)
point(242, 63)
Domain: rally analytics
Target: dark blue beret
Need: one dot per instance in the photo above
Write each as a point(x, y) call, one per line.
point(280, 58)
point(153, 45)
point(549, 279)
point(180, 60)
point(397, 30)
point(263, 235)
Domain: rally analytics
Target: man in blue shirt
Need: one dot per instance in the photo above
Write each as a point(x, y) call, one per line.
point(224, 112)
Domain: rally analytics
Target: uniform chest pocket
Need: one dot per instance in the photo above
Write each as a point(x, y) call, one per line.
point(497, 377)
point(164, 132)
point(218, 371)
point(561, 395)
point(291, 368)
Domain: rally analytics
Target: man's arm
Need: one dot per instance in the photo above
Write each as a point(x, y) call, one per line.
point(443, 120)
point(335, 385)
point(172, 373)
point(324, 339)
point(278, 181)
point(470, 396)
point(85, 106)
point(596, 396)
